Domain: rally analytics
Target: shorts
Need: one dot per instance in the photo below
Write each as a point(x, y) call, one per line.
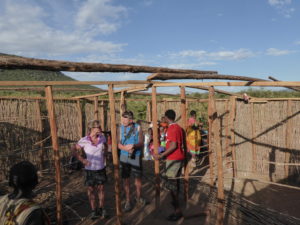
point(131, 166)
point(173, 170)
point(95, 177)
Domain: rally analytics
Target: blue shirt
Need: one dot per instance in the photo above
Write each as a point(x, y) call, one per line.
point(133, 139)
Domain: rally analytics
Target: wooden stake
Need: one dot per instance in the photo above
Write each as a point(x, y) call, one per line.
point(102, 115)
point(254, 154)
point(54, 138)
point(210, 140)
point(114, 139)
point(227, 143)
point(149, 116)
point(288, 138)
point(96, 117)
point(80, 126)
point(184, 126)
point(40, 129)
point(232, 135)
point(216, 135)
point(122, 104)
point(155, 144)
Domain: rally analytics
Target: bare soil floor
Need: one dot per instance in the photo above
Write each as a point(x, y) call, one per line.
point(247, 202)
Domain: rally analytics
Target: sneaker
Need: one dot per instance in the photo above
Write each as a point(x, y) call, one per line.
point(140, 202)
point(94, 215)
point(127, 207)
point(103, 213)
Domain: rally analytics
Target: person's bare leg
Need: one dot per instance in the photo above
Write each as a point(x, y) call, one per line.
point(138, 186)
point(101, 195)
point(127, 189)
point(92, 197)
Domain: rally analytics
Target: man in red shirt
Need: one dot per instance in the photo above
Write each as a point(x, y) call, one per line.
point(174, 162)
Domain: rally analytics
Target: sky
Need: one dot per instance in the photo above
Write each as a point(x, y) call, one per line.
point(256, 38)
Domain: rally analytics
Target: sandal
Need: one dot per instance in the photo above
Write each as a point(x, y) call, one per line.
point(174, 216)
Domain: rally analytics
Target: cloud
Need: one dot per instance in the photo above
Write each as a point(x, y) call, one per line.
point(283, 7)
point(99, 16)
point(277, 52)
point(219, 55)
point(26, 30)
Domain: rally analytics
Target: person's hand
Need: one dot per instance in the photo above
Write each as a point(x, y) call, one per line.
point(157, 156)
point(128, 147)
point(86, 162)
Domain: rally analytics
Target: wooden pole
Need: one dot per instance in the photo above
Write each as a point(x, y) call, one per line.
point(96, 117)
point(40, 129)
point(216, 135)
point(115, 152)
point(102, 115)
point(254, 154)
point(184, 126)
point(288, 138)
point(210, 140)
point(54, 138)
point(122, 104)
point(149, 116)
point(227, 143)
point(80, 126)
point(155, 144)
point(232, 135)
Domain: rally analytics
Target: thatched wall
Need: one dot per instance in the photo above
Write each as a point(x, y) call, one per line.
point(261, 136)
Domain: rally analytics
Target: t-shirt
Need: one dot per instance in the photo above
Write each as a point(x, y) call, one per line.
point(174, 134)
point(191, 121)
point(94, 153)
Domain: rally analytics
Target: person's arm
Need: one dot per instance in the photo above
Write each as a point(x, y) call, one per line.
point(36, 218)
point(172, 148)
point(126, 148)
point(76, 149)
point(140, 144)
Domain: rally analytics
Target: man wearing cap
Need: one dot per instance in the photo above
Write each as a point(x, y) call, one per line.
point(130, 144)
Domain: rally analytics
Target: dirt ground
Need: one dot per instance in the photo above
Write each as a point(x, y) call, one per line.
point(242, 196)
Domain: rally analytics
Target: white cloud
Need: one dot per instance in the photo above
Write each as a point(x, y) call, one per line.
point(220, 55)
point(283, 7)
point(277, 52)
point(26, 31)
point(99, 16)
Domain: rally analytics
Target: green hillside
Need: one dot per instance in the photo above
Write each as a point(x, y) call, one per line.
point(39, 75)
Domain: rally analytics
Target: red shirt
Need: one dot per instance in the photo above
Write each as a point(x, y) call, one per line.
point(174, 134)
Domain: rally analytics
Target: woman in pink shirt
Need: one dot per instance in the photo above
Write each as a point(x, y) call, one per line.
point(94, 148)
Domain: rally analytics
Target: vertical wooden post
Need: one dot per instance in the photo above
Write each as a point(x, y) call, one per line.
point(155, 144)
point(184, 126)
point(122, 104)
point(80, 134)
point(102, 115)
point(96, 117)
point(254, 154)
point(40, 129)
point(232, 135)
point(210, 139)
point(149, 116)
point(288, 138)
point(165, 106)
point(114, 139)
point(227, 143)
point(54, 138)
point(216, 135)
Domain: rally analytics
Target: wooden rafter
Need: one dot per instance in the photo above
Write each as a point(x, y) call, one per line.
point(292, 88)
point(17, 62)
point(172, 76)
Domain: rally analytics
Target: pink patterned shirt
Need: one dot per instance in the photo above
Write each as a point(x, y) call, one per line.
point(94, 153)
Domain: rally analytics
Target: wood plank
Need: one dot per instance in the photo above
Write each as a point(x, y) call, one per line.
point(180, 76)
point(288, 137)
point(80, 122)
point(232, 135)
point(54, 138)
point(155, 144)
point(253, 133)
point(115, 153)
point(17, 62)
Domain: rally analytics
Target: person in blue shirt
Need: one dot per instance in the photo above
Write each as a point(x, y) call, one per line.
point(130, 144)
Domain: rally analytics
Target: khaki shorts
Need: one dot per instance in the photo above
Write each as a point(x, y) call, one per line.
point(173, 170)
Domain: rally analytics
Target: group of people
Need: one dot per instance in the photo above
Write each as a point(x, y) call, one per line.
point(91, 151)
point(130, 145)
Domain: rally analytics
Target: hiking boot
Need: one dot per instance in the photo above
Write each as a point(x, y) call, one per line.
point(127, 207)
point(140, 202)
